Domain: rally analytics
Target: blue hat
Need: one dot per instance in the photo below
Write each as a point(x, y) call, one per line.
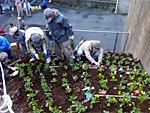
point(48, 14)
point(36, 39)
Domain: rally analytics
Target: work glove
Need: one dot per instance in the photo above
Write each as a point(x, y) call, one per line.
point(18, 47)
point(37, 56)
point(96, 63)
point(45, 52)
point(50, 33)
point(71, 37)
point(48, 60)
point(15, 73)
point(13, 68)
point(32, 59)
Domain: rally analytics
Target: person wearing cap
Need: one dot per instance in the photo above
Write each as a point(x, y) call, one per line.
point(11, 26)
point(36, 42)
point(5, 46)
point(3, 58)
point(19, 37)
point(61, 31)
point(92, 50)
point(21, 24)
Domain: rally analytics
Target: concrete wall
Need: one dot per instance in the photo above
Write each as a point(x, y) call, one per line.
point(123, 6)
point(88, 4)
point(138, 24)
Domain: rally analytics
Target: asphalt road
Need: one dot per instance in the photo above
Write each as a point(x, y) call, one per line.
point(89, 24)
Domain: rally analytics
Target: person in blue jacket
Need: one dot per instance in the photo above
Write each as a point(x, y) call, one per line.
point(43, 4)
point(61, 31)
point(19, 37)
point(5, 46)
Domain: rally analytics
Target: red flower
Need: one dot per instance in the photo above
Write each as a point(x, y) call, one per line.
point(137, 92)
point(103, 92)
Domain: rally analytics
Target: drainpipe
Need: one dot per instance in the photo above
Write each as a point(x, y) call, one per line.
point(116, 6)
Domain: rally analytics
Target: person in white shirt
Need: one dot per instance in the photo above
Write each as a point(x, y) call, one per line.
point(91, 49)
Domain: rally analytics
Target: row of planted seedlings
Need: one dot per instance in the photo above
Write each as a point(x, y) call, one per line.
point(124, 71)
point(128, 79)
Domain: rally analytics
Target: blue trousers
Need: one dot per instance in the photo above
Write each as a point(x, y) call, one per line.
point(81, 52)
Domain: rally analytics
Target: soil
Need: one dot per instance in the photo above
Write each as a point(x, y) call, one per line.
point(16, 89)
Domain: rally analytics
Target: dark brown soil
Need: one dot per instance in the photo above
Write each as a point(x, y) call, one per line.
point(15, 87)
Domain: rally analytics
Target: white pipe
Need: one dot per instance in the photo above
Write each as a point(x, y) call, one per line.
point(116, 6)
point(119, 96)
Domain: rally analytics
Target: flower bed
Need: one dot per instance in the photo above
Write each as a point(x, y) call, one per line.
point(120, 85)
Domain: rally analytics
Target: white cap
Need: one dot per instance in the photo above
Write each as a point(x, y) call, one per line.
point(13, 30)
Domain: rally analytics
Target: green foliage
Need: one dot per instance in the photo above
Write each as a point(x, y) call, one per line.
point(72, 98)
point(142, 98)
point(81, 108)
point(78, 1)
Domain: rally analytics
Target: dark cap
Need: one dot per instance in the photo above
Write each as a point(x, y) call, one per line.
point(11, 24)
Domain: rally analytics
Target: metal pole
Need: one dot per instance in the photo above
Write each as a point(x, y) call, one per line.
point(125, 42)
point(115, 42)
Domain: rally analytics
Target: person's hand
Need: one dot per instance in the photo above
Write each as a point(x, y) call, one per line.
point(96, 63)
point(15, 73)
point(18, 47)
point(45, 52)
point(71, 37)
point(37, 56)
point(50, 33)
point(13, 68)
point(47, 27)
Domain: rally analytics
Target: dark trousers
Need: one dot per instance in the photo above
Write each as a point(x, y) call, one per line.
point(1, 9)
point(9, 54)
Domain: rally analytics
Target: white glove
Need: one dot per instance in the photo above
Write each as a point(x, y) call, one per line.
point(32, 59)
point(50, 33)
point(71, 37)
point(48, 60)
point(13, 68)
point(37, 56)
point(45, 52)
point(15, 73)
point(96, 63)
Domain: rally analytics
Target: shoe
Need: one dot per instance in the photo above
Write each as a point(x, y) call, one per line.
point(48, 60)
point(12, 14)
point(15, 73)
point(32, 59)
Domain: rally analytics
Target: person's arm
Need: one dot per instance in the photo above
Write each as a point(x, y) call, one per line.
point(65, 24)
point(100, 55)
point(44, 43)
point(88, 55)
point(4, 45)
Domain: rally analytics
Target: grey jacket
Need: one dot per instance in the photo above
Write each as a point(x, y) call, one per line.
point(20, 38)
point(60, 27)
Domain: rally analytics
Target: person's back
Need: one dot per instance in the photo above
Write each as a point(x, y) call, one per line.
point(4, 44)
point(44, 4)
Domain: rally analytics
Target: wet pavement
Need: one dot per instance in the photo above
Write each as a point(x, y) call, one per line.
point(86, 23)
